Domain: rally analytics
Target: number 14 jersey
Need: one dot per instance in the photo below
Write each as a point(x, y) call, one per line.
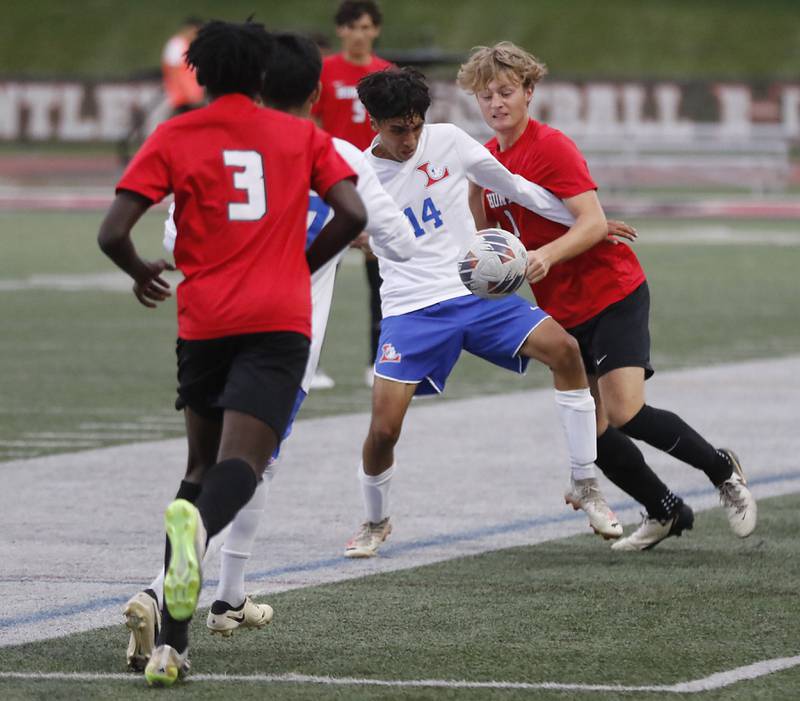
point(241, 175)
point(432, 188)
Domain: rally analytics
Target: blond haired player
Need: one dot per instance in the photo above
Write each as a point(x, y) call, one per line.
point(600, 296)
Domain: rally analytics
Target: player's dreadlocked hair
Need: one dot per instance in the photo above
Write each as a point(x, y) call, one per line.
point(230, 57)
point(293, 70)
point(395, 92)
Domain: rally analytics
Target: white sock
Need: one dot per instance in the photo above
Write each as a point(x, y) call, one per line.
point(239, 544)
point(576, 412)
point(375, 489)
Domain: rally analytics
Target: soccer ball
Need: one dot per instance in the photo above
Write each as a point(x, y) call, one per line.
point(492, 265)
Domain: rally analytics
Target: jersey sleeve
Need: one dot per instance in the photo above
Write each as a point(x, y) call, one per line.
point(566, 173)
point(484, 169)
point(391, 235)
point(148, 173)
point(327, 166)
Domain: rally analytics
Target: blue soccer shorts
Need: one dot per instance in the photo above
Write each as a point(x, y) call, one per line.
point(422, 347)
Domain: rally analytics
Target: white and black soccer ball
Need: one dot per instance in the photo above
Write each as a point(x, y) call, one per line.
point(492, 265)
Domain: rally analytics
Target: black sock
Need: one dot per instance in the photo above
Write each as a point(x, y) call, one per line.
point(670, 433)
point(189, 491)
point(623, 463)
point(227, 487)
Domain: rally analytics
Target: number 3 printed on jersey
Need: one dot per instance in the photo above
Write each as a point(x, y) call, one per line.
point(250, 179)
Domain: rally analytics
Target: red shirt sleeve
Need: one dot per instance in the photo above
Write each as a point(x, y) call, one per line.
point(564, 171)
point(328, 167)
point(148, 173)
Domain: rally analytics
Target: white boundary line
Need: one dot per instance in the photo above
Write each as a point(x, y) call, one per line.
point(715, 681)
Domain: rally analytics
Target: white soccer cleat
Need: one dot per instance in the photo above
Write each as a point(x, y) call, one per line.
point(166, 666)
point(651, 531)
point(322, 380)
point(736, 498)
point(223, 619)
point(586, 495)
point(369, 538)
point(143, 619)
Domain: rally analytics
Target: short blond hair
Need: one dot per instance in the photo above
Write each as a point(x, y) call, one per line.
point(503, 59)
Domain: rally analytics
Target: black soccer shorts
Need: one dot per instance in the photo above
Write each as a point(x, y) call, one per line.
point(257, 374)
point(617, 337)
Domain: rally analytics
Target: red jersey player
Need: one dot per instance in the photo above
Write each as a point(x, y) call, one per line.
point(598, 292)
point(241, 177)
point(340, 112)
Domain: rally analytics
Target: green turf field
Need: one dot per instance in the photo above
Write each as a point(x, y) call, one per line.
point(566, 611)
point(619, 38)
point(83, 368)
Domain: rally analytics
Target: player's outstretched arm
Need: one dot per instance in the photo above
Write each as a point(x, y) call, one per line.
point(114, 239)
point(483, 169)
point(349, 219)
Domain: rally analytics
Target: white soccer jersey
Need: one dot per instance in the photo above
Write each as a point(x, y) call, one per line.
point(390, 232)
point(431, 188)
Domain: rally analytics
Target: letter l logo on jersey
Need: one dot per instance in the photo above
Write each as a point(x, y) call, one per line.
point(389, 354)
point(434, 173)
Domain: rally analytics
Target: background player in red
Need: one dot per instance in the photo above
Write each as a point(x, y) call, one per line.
point(600, 296)
point(341, 114)
point(241, 176)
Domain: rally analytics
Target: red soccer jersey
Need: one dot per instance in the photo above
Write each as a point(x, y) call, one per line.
point(339, 109)
point(577, 289)
point(241, 175)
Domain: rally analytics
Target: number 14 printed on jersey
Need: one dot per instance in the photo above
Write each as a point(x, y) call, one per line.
point(429, 214)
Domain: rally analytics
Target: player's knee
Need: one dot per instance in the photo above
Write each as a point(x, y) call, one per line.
point(385, 433)
point(566, 355)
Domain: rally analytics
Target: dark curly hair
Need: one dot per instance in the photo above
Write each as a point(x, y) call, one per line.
point(230, 57)
point(395, 92)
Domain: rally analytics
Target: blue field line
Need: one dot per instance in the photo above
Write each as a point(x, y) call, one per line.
point(387, 551)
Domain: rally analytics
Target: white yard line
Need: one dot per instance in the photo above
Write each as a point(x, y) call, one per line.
point(720, 680)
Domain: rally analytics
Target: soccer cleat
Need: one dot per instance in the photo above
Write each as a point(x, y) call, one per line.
point(183, 579)
point(736, 498)
point(223, 619)
point(143, 619)
point(322, 380)
point(369, 538)
point(652, 531)
point(586, 495)
point(166, 666)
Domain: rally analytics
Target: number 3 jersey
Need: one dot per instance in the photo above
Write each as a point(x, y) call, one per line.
point(432, 189)
point(241, 176)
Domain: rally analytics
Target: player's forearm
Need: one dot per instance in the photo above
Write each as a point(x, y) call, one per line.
point(114, 235)
point(588, 230)
point(349, 220)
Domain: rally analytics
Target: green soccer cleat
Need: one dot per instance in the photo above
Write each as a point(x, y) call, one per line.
point(166, 666)
point(183, 579)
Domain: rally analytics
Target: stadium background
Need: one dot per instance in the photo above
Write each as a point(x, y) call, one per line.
point(84, 368)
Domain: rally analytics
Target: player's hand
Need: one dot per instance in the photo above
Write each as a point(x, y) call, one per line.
point(151, 288)
point(620, 230)
point(361, 241)
point(538, 266)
